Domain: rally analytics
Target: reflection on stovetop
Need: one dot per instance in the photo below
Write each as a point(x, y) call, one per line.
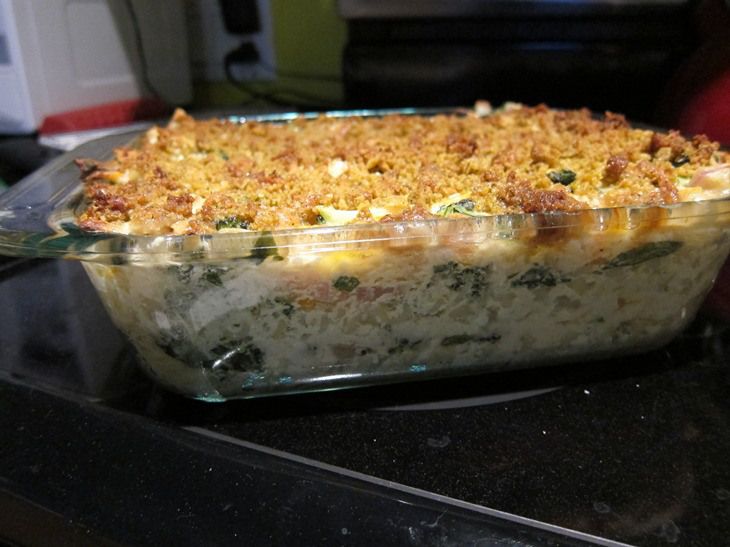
point(632, 449)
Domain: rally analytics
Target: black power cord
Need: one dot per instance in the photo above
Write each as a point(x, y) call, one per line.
point(291, 75)
point(246, 53)
point(144, 68)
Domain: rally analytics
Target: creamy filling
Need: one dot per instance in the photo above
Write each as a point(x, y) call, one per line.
point(253, 326)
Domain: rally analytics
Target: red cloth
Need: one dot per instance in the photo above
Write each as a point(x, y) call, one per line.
point(104, 115)
point(708, 112)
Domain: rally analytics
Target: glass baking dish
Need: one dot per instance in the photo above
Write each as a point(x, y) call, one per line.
point(237, 315)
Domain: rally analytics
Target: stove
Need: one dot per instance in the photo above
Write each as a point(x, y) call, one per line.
point(618, 55)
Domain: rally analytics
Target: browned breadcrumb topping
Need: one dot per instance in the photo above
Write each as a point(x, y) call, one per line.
point(205, 176)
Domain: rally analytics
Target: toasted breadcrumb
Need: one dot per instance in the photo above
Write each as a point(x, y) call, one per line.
point(195, 177)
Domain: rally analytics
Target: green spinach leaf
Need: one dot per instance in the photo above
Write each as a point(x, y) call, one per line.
point(647, 251)
point(562, 176)
point(346, 283)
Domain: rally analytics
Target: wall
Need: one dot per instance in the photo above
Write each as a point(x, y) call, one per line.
point(308, 41)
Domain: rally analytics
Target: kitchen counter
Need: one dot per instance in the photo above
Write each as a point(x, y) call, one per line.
point(630, 450)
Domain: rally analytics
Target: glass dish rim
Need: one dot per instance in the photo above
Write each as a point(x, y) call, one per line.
point(53, 237)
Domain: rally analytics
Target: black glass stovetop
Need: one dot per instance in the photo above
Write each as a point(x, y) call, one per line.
point(632, 450)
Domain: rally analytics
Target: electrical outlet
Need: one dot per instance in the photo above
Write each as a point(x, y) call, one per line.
point(210, 42)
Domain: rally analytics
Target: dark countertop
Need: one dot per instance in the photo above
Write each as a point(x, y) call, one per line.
point(93, 453)
point(631, 450)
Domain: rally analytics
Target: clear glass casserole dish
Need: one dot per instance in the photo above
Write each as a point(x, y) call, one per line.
point(235, 315)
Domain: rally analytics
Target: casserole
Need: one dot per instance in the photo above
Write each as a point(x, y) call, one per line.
point(238, 314)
